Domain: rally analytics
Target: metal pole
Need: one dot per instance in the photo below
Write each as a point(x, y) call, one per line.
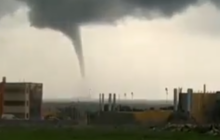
point(100, 102)
point(175, 96)
point(110, 102)
point(166, 89)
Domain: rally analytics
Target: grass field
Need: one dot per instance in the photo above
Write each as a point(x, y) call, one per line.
point(98, 134)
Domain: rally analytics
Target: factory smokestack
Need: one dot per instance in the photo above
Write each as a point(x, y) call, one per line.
point(4, 80)
point(175, 99)
point(110, 102)
point(204, 88)
point(100, 101)
point(189, 99)
point(103, 102)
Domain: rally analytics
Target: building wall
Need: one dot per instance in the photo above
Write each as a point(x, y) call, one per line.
point(203, 106)
point(16, 100)
point(16, 109)
point(16, 96)
point(1, 98)
point(36, 92)
point(152, 116)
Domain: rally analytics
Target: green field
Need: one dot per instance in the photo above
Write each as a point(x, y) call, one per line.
point(97, 134)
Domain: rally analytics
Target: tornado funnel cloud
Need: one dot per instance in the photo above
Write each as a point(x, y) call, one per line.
point(77, 42)
point(73, 33)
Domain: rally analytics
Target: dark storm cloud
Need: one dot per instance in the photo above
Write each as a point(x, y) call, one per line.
point(8, 6)
point(55, 13)
point(216, 2)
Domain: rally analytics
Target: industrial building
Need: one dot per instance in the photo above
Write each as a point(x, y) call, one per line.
point(191, 107)
point(202, 106)
point(23, 100)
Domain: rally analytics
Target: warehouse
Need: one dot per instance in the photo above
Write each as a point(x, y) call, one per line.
point(23, 100)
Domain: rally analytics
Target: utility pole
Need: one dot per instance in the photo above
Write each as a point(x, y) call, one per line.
point(125, 95)
point(132, 95)
point(166, 89)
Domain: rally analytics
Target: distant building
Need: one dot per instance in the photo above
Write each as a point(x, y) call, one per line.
point(23, 100)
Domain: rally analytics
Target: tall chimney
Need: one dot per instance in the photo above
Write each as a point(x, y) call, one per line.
point(4, 80)
point(114, 102)
point(189, 99)
point(180, 90)
point(204, 88)
point(203, 97)
point(110, 102)
point(175, 99)
point(103, 101)
point(100, 101)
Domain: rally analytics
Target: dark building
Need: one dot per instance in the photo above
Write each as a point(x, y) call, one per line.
point(35, 98)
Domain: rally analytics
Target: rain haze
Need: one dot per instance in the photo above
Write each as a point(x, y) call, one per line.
point(143, 56)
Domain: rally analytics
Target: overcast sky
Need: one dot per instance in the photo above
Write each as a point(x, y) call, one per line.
point(136, 56)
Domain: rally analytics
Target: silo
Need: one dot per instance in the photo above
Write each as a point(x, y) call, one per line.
point(189, 99)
